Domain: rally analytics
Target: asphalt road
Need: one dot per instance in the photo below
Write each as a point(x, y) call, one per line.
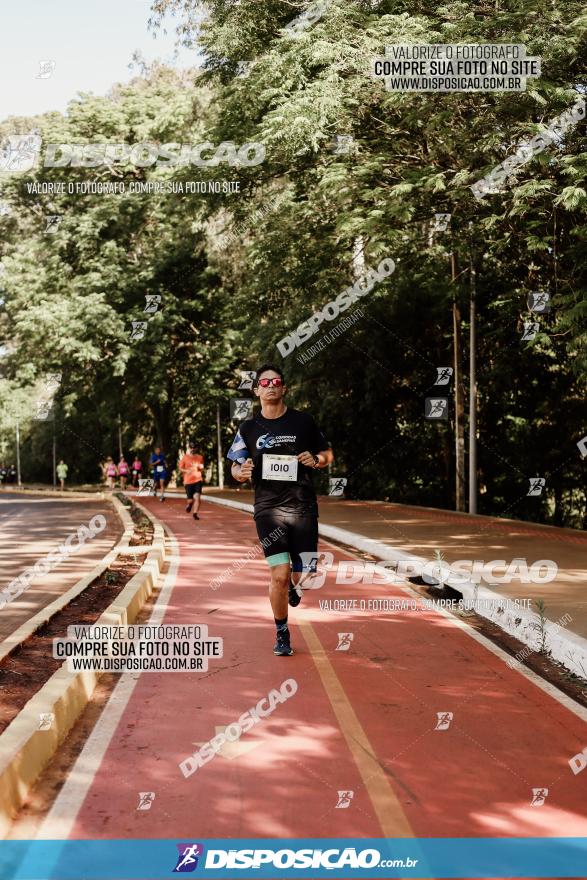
point(33, 525)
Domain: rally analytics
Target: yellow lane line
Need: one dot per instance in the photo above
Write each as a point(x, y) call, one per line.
point(387, 807)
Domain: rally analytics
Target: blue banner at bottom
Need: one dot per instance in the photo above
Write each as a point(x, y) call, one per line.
point(286, 858)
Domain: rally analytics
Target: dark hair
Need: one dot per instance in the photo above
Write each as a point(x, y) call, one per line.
point(267, 367)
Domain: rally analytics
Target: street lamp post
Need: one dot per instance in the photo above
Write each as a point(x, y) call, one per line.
point(54, 452)
point(472, 391)
point(219, 445)
point(18, 480)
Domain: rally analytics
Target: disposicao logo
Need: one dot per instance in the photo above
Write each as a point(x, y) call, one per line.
point(187, 860)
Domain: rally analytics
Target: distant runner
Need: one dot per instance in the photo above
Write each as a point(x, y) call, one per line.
point(123, 470)
point(191, 467)
point(110, 472)
point(137, 468)
point(159, 468)
point(62, 474)
point(279, 448)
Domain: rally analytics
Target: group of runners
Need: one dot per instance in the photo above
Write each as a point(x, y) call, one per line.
point(8, 475)
point(191, 467)
point(122, 471)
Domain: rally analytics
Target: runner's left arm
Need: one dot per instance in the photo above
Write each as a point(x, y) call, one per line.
point(320, 455)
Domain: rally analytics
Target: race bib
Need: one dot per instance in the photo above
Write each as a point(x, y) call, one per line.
point(280, 467)
point(159, 468)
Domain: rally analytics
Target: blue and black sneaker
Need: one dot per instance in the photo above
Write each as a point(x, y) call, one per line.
point(295, 595)
point(282, 646)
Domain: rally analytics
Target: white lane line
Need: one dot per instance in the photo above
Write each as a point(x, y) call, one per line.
point(59, 822)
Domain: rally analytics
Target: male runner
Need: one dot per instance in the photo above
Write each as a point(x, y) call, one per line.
point(279, 448)
point(191, 467)
point(159, 470)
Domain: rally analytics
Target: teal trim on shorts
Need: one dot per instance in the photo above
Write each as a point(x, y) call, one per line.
point(277, 559)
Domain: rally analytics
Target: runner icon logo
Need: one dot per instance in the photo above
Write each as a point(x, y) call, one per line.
point(146, 487)
point(337, 486)
point(537, 484)
point(539, 795)
point(315, 567)
point(152, 302)
point(441, 222)
point(187, 860)
point(52, 222)
point(247, 380)
point(444, 375)
point(539, 302)
point(531, 328)
point(344, 641)
point(241, 409)
point(444, 720)
point(46, 720)
point(20, 152)
point(139, 328)
point(344, 800)
point(146, 799)
point(46, 68)
point(436, 408)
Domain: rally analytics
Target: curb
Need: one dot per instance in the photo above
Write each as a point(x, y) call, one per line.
point(565, 647)
point(66, 495)
point(24, 749)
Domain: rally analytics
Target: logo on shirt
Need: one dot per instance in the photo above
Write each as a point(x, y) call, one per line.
point(266, 441)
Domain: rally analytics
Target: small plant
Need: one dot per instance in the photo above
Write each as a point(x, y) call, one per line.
point(540, 626)
point(111, 577)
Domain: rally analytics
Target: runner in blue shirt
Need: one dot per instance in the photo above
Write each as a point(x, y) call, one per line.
point(159, 470)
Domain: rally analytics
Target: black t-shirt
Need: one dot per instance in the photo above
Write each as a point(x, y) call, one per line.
point(290, 434)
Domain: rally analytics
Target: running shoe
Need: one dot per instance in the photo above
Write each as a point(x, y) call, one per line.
point(282, 646)
point(162, 498)
point(195, 516)
point(188, 507)
point(295, 596)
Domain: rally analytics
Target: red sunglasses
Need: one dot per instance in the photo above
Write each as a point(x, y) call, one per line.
point(276, 382)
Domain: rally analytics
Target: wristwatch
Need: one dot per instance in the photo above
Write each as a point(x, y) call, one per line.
point(316, 460)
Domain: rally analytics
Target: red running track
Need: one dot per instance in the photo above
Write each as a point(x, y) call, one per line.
point(362, 720)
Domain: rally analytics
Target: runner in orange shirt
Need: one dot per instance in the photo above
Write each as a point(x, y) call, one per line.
point(191, 467)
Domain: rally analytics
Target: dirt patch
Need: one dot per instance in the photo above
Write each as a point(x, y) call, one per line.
point(143, 533)
point(26, 669)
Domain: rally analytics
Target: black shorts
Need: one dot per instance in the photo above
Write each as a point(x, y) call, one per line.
point(192, 489)
point(289, 536)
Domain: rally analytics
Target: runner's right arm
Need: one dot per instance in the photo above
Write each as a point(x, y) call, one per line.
point(242, 472)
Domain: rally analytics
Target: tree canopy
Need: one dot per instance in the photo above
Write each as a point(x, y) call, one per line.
point(352, 174)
